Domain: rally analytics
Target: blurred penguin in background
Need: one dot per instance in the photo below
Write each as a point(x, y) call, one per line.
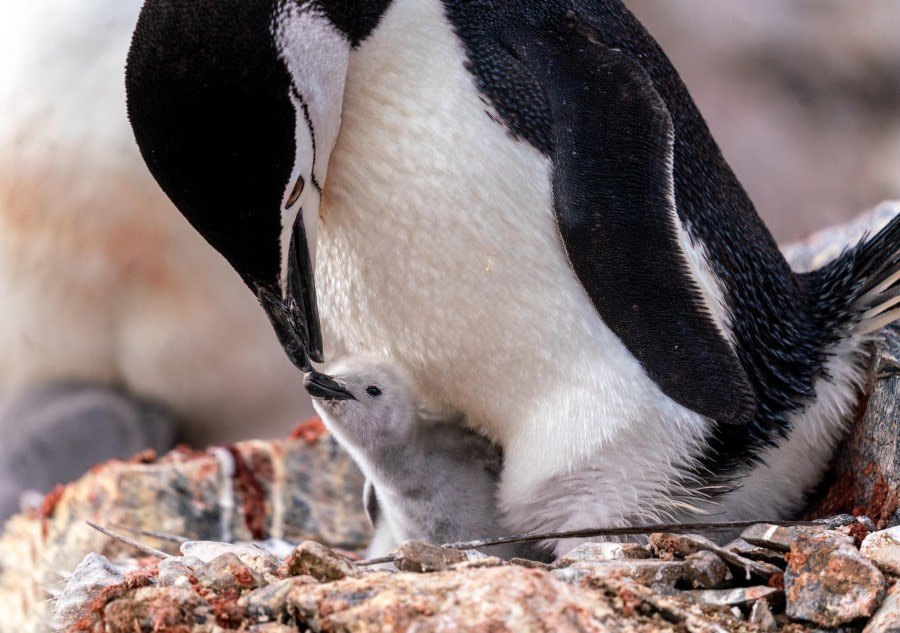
point(120, 329)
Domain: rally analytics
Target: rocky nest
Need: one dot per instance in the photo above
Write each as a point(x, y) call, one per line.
point(772, 578)
point(304, 489)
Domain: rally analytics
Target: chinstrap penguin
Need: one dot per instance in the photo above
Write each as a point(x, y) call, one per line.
point(519, 202)
point(428, 477)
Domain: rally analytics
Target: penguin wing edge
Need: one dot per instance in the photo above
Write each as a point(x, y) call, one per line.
point(370, 503)
point(614, 200)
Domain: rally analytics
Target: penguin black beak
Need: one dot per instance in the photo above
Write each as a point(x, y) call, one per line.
point(295, 317)
point(322, 386)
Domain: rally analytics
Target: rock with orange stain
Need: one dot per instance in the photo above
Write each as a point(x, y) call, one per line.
point(309, 430)
point(301, 490)
point(829, 583)
point(883, 549)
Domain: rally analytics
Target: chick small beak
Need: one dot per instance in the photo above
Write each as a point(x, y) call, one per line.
point(324, 387)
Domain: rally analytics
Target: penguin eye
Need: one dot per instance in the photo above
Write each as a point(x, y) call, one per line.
point(295, 192)
point(373, 391)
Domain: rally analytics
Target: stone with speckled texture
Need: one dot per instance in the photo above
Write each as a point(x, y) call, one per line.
point(828, 583)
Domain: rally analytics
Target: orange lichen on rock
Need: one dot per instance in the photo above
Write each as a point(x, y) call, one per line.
point(310, 431)
point(253, 494)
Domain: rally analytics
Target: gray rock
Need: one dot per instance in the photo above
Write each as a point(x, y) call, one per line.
point(761, 616)
point(91, 576)
point(740, 597)
point(829, 583)
point(883, 549)
point(598, 552)
point(174, 573)
point(887, 618)
point(705, 570)
point(571, 575)
point(324, 564)
point(56, 433)
point(530, 564)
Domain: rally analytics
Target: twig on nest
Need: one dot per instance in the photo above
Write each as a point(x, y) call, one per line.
point(631, 530)
point(146, 549)
point(162, 536)
point(393, 558)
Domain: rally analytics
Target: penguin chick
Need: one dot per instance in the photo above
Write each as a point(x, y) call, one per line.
point(429, 478)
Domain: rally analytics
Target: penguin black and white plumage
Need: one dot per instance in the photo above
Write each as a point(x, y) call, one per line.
point(520, 202)
point(428, 477)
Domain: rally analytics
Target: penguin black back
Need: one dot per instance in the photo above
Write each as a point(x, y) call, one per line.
point(776, 337)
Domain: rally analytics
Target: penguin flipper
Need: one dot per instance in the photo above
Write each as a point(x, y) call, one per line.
point(613, 187)
point(370, 503)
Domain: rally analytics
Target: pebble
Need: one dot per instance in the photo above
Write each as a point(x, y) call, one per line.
point(530, 564)
point(92, 575)
point(421, 557)
point(883, 549)
point(258, 559)
point(840, 520)
point(829, 583)
point(705, 570)
point(761, 616)
point(314, 559)
point(227, 571)
point(646, 572)
point(887, 618)
point(605, 551)
point(740, 597)
point(174, 573)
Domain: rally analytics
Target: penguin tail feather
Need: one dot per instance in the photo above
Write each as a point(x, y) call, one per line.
point(861, 288)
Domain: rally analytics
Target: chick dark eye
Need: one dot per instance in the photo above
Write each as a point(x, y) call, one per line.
point(373, 391)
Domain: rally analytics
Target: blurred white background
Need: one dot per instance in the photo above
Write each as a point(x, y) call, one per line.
point(803, 97)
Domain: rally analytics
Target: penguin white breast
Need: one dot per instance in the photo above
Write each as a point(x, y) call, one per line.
point(438, 247)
